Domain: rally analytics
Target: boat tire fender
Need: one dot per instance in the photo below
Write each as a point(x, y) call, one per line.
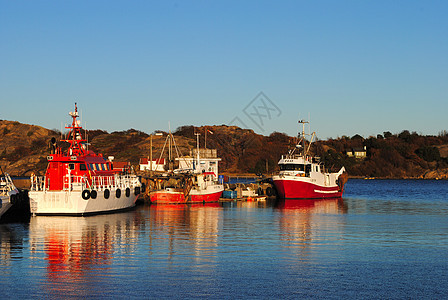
point(143, 189)
point(106, 194)
point(128, 192)
point(118, 193)
point(137, 190)
point(93, 194)
point(86, 194)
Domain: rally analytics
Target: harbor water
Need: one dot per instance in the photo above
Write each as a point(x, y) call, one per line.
point(384, 239)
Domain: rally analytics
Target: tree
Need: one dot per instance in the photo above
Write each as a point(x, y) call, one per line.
point(357, 137)
point(429, 154)
point(387, 134)
point(186, 131)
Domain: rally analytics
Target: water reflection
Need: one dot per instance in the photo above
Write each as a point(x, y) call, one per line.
point(306, 224)
point(185, 228)
point(11, 242)
point(77, 249)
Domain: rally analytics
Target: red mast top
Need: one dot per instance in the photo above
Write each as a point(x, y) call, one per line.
point(74, 137)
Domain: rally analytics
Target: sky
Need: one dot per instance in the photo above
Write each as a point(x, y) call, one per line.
point(349, 67)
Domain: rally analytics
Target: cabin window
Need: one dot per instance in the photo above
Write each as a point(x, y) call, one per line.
point(71, 166)
point(292, 167)
point(82, 167)
point(97, 167)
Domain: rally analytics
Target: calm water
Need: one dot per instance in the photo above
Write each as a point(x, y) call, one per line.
point(385, 239)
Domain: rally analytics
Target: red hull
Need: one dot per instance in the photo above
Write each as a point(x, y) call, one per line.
point(292, 189)
point(163, 197)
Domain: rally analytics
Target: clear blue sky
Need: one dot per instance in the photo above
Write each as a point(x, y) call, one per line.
point(355, 67)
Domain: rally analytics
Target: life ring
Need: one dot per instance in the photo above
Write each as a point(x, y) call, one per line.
point(128, 192)
point(93, 194)
point(106, 194)
point(118, 193)
point(86, 194)
point(137, 190)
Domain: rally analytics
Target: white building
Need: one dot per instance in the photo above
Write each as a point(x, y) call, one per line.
point(208, 162)
point(157, 164)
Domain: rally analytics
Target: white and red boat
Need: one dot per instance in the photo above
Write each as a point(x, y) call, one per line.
point(80, 182)
point(200, 181)
point(303, 176)
point(204, 188)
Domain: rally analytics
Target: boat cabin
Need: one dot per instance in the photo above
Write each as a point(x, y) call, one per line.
point(299, 166)
point(76, 165)
point(63, 169)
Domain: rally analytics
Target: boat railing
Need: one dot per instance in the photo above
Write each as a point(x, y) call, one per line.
point(37, 183)
point(6, 185)
point(100, 183)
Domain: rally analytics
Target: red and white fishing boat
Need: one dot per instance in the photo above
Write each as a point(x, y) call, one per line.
point(81, 182)
point(200, 184)
point(303, 176)
point(8, 193)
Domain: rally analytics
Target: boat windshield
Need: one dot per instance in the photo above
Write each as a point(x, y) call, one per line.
point(292, 167)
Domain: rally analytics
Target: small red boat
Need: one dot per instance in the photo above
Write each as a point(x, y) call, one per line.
point(303, 176)
point(200, 183)
point(203, 188)
point(80, 181)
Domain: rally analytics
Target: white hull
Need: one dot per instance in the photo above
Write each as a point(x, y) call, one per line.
point(209, 189)
point(72, 203)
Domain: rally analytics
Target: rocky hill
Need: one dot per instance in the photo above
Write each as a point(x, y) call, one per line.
point(24, 148)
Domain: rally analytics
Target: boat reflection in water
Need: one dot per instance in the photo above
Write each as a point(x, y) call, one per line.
point(333, 205)
point(307, 224)
point(78, 249)
point(191, 229)
point(12, 238)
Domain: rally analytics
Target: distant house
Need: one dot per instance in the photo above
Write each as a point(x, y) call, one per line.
point(157, 164)
point(359, 153)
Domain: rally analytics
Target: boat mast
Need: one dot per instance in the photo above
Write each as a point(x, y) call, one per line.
point(197, 146)
point(75, 135)
point(303, 140)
